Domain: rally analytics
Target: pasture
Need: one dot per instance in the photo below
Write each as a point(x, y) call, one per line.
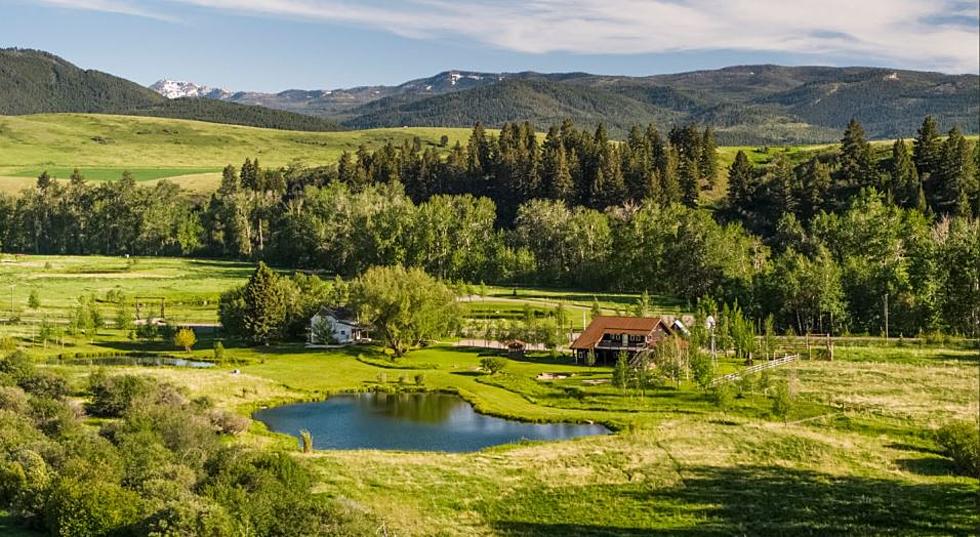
point(853, 456)
point(192, 153)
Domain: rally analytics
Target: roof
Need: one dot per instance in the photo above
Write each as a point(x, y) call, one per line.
point(636, 326)
point(342, 315)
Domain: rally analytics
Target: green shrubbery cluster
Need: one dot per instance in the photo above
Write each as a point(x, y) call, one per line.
point(960, 441)
point(155, 464)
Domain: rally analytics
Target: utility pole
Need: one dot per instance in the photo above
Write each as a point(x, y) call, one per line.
point(886, 315)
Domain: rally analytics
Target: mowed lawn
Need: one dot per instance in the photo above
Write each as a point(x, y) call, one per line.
point(854, 456)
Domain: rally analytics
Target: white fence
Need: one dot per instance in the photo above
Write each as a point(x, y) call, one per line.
point(756, 368)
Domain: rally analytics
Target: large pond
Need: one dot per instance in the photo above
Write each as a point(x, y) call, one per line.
point(408, 421)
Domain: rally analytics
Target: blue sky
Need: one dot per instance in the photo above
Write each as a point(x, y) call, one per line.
point(271, 45)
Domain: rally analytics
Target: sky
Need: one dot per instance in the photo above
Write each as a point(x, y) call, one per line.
point(273, 45)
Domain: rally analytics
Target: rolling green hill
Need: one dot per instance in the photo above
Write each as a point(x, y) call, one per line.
point(34, 82)
point(193, 152)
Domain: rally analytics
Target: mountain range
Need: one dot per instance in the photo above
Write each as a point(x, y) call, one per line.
point(757, 104)
point(746, 104)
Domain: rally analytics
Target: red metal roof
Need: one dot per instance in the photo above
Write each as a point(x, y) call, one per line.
point(637, 326)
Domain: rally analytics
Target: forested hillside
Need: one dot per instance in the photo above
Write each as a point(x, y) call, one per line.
point(37, 82)
point(746, 105)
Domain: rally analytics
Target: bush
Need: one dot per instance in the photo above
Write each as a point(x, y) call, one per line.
point(13, 399)
point(45, 384)
point(492, 364)
point(90, 508)
point(18, 365)
point(229, 422)
point(191, 517)
point(723, 396)
point(960, 441)
point(114, 396)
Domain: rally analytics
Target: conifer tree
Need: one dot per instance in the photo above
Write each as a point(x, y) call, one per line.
point(954, 176)
point(264, 308)
point(708, 158)
point(784, 189)
point(856, 163)
point(927, 149)
point(690, 181)
point(739, 181)
point(904, 180)
point(815, 185)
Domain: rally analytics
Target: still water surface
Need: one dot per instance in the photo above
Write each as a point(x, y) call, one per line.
point(408, 421)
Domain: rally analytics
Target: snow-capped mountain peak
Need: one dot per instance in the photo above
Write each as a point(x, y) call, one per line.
point(175, 89)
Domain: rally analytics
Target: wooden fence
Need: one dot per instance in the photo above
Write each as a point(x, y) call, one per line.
point(756, 368)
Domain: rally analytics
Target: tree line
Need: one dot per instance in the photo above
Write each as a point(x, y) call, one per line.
point(822, 243)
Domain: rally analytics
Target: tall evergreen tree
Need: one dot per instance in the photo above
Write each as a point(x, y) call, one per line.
point(739, 181)
point(689, 176)
point(954, 176)
point(814, 185)
point(264, 306)
point(927, 149)
point(856, 162)
point(782, 181)
point(708, 158)
point(903, 177)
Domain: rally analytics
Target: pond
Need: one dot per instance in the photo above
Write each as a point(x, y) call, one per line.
point(151, 361)
point(410, 422)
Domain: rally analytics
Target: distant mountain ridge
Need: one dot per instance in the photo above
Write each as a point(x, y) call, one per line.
point(176, 89)
point(750, 104)
point(33, 81)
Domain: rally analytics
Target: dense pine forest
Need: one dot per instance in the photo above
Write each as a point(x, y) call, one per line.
point(826, 241)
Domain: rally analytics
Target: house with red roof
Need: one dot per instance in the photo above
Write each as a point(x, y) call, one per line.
point(607, 336)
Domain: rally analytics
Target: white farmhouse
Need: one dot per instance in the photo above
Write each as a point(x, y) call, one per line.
point(335, 327)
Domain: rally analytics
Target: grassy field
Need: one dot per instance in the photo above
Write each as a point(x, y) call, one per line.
point(101, 146)
point(854, 456)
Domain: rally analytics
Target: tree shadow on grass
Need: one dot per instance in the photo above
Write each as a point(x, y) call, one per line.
point(929, 466)
point(756, 500)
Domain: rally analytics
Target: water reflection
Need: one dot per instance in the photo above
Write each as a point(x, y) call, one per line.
point(409, 421)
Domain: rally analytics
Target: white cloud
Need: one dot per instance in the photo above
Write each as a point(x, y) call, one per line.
point(122, 7)
point(934, 34)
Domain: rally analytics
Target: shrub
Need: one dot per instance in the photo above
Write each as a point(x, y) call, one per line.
point(419, 379)
point(194, 516)
point(723, 396)
point(114, 396)
point(219, 352)
point(960, 441)
point(492, 364)
point(45, 384)
point(51, 416)
point(229, 422)
point(90, 508)
point(18, 365)
point(13, 399)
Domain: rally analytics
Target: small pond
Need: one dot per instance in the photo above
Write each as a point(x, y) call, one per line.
point(409, 421)
point(150, 361)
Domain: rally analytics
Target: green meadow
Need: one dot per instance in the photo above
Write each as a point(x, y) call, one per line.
point(101, 146)
point(853, 456)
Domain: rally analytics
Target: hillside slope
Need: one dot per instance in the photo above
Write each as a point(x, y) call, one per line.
point(34, 82)
point(102, 146)
point(747, 105)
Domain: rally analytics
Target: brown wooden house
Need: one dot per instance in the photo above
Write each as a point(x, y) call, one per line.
point(608, 336)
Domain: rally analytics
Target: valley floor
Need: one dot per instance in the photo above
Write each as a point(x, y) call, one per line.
point(853, 457)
